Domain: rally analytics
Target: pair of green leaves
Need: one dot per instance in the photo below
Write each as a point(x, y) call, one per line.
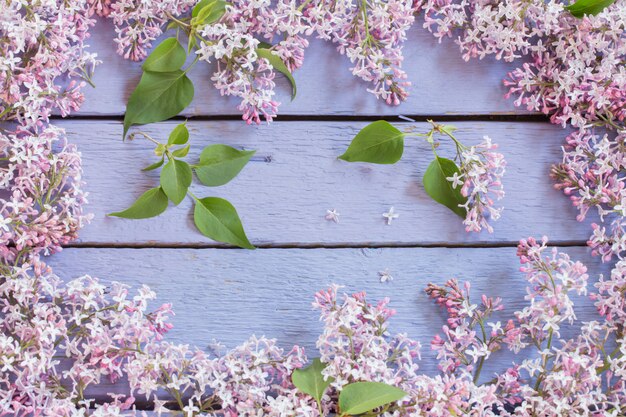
point(354, 399)
point(164, 89)
point(214, 217)
point(381, 143)
point(588, 7)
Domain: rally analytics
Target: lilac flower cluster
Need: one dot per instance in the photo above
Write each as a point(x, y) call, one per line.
point(96, 332)
point(370, 33)
point(576, 71)
point(138, 23)
point(592, 175)
point(241, 72)
point(481, 172)
point(42, 45)
point(41, 193)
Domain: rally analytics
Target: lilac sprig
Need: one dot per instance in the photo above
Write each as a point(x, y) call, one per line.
point(42, 193)
point(42, 46)
point(371, 34)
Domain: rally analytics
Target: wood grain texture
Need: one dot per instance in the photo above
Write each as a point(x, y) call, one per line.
point(228, 295)
point(284, 192)
point(442, 83)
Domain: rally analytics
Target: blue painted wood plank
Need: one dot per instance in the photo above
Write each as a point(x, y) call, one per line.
point(442, 83)
point(283, 194)
point(230, 294)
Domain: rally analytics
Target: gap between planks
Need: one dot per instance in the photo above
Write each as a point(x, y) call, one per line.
point(504, 117)
point(368, 245)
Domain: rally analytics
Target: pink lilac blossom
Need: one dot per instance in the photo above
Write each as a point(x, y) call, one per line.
point(576, 71)
point(138, 23)
point(481, 171)
point(371, 34)
point(42, 46)
point(233, 42)
point(592, 175)
point(41, 193)
point(105, 332)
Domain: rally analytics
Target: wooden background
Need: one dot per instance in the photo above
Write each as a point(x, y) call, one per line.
point(227, 294)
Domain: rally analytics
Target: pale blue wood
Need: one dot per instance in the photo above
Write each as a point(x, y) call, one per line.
point(283, 194)
point(442, 83)
point(228, 295)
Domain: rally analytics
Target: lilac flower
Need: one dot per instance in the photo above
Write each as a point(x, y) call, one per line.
point(43, 45)
point(481, 170)
point(138, 23)
point(42, 198)
point(370, 33)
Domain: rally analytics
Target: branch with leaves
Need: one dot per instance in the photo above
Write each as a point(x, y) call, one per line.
point(467, 185)
point(214, 217)
point(245, 68)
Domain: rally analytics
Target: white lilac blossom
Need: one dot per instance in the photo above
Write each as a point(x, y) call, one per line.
point(41, 193)
point(138, 23)
point(370, 33)
point(592, 175)
point(390, 215)
point(42, 46)
point(481, 170)
point(576, 70)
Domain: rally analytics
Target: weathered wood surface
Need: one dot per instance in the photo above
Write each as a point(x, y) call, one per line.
point(442, 83)
point(283, 194)
point(228, 295)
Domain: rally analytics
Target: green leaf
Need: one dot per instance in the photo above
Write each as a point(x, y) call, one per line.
point(182, 152)
point(440, 189)
point(176, 179)
point(179, 135)
point(168, 56)
point(150, 204)
point(378, 142)
point(361, 397)
point(208, 11)
point(310, 380)
point(154, 166)
point(279, 66)
point(158, 96)
point(588, 7)
point(217, 218)
point(220, 163)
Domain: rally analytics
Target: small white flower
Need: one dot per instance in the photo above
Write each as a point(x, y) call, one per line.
point(455, 179)
point(390, 215)
point(385, 276)
point(332, 215)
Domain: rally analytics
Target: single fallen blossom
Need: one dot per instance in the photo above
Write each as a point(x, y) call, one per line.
point(332, 215)
point(385, 276)
point(390, 215)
